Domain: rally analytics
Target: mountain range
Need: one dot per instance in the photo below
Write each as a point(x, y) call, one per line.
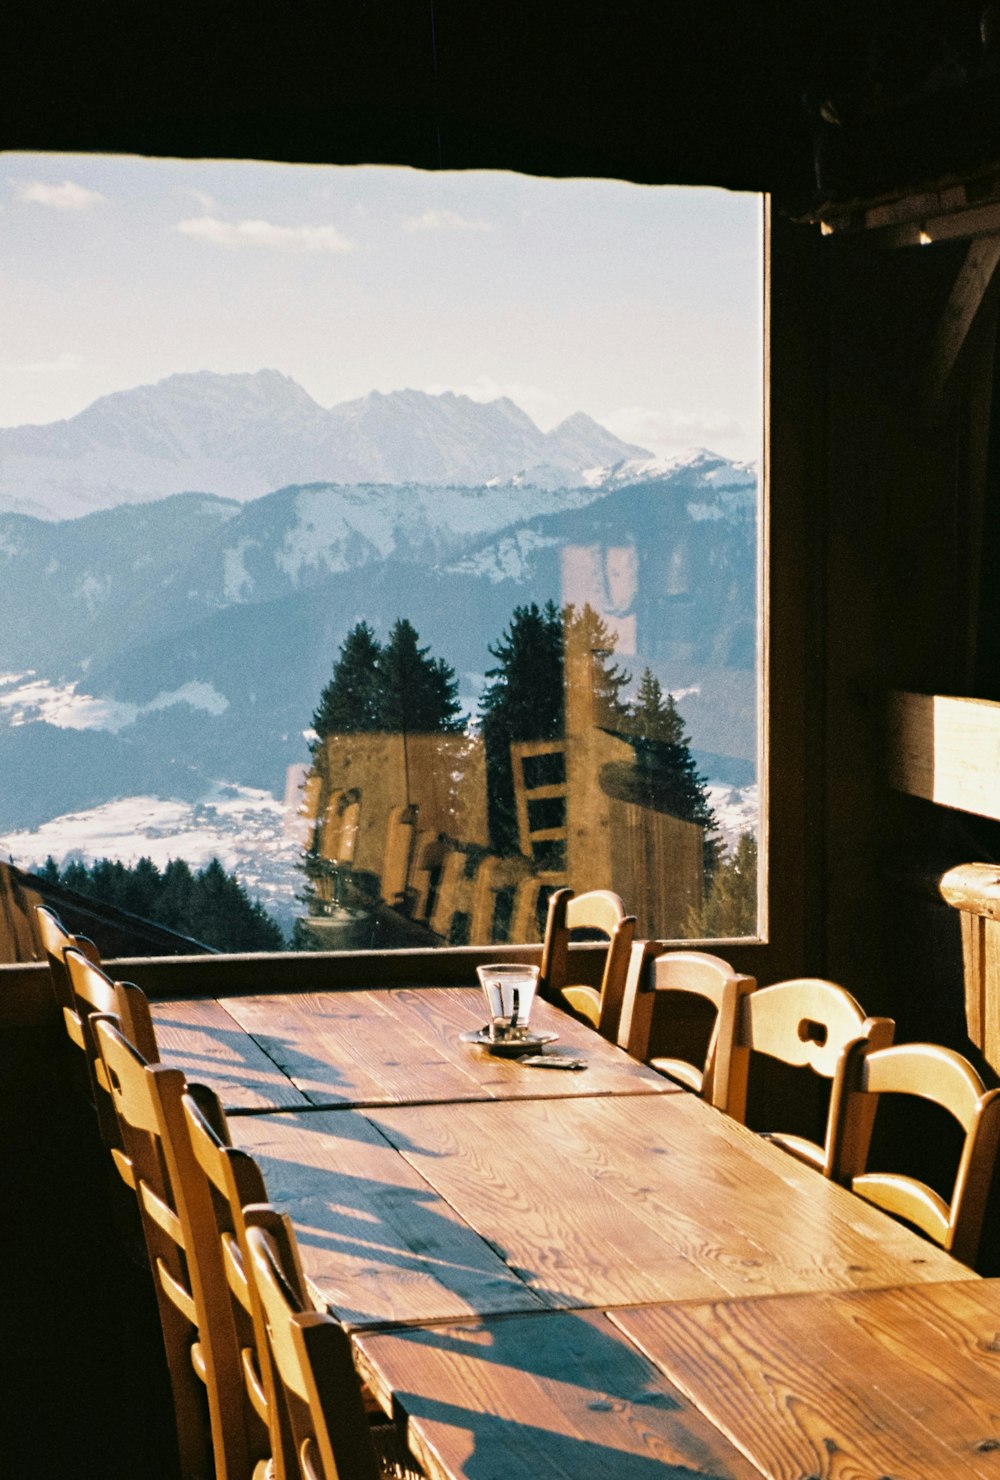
point(164, 646)
point(241, 436)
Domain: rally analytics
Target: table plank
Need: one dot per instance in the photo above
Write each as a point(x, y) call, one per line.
point(542, 1397)
point(865, 1384)
point(399, 1045)
point(620, 1200)
point(377, 1243)
point(202, 1038)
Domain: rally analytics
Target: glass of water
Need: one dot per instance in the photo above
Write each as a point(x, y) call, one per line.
point(509, 990)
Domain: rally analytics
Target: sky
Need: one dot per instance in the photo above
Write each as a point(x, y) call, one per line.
point(641, 306)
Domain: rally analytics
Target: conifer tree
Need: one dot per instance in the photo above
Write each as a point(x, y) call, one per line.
point(350, 701)
point(211, 906)
point(522, 701)
point(667, 777)
point(415, 692)
point(586, 632)
point(730, 909)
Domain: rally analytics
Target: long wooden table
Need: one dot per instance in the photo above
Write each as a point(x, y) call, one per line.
point(385, 1046)
point(581, 1276)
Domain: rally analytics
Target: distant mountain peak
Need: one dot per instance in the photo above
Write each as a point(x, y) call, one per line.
point(245, 434)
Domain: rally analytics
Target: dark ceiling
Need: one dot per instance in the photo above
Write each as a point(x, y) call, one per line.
point(749, 94)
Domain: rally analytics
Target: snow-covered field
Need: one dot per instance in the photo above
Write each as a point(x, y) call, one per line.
point(251, 834)
point(737, 809)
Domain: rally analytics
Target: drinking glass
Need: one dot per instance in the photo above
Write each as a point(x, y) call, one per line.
point(509, 990)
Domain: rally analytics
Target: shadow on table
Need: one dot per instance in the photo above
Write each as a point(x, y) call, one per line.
point(554, 1393)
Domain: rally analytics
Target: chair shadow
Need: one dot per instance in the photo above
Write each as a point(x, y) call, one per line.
point(609, 1377)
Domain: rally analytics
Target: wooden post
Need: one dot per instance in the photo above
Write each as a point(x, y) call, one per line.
point(974, 890)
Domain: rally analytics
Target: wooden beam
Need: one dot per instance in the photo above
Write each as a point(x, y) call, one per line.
point(965, 302)
point(946, 750)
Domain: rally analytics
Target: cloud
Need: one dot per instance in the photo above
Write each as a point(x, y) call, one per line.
point(266, 234)
point(65, 197)
point(444, 221)
point(669, 432)
point(59, 365)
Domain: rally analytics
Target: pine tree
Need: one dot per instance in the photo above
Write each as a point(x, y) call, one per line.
point(522, 701)
point(730, 910)
point(667, 777)
point(350, 701)
point(212, 906)
point(586, 632)
point(414, 692)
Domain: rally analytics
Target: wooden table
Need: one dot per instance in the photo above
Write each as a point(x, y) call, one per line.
point(491, 1258)
point(437, 1212)
point(866, 1384)
point(388, 1046)
point(552, 1276)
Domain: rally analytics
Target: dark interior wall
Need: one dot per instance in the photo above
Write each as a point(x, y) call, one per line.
point(895, 499)
point(640, 90)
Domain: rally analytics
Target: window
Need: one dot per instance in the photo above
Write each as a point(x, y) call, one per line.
point(392, 538)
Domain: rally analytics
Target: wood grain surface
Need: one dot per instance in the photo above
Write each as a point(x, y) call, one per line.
point(901, 1383)
point(202, 1038)
point(605, 1202)
point(544, 1397)
point(400, 1045)
point(378, 1244)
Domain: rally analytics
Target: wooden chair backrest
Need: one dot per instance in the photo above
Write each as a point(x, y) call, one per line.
point(185, 1256)
point(698, 974)
point(400, 835)
point(598, 910)
point(233, 1180)
point(929, 1072)
point(524, 929)
point(448, 894)
point(810, 1023)
point(56, 939)
point(320, 1395)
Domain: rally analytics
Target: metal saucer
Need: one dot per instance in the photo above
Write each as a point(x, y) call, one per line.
point(508, 1048)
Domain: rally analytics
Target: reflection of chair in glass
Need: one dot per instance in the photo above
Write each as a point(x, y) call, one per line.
point(684, 973)
point(524, 927)
point(185, 1255)
point(601, 912)
point(319, 1397)
point(494, 877)
point(337, 843)
point(928, 1072)
point(806, 1022)
point(447, 894)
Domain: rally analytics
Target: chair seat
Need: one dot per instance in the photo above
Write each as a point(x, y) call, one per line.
point(799, 1147)
point(681, 1071)
point(584, 1000)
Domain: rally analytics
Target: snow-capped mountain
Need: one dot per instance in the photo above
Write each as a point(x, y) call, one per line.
point(240, 436)
point(176, 643)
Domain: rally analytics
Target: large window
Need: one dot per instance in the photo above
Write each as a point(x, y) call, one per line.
point(390, 538)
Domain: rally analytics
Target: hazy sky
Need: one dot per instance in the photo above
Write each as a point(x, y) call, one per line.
point(641, 306)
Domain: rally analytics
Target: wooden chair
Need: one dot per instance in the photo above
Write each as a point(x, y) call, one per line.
point(56, 939)
point(601, 911)
point(185, 1255)
point(94, 993)
point(697, 974)
point(232, 1181)
point(810, 1023)
point(319, 1393)
point(929, 1072)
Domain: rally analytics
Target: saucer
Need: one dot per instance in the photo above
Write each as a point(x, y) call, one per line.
point(507, 1047)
